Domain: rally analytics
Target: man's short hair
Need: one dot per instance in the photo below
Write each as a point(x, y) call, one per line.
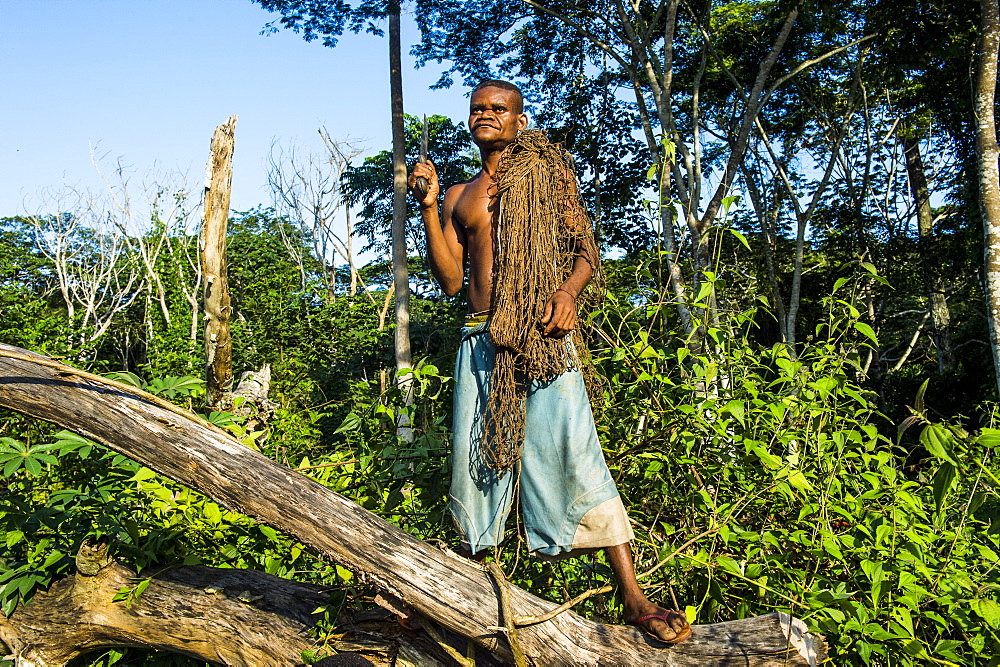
point(503, 85)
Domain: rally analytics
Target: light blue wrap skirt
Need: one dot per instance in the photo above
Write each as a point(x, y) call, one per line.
point(569, 501)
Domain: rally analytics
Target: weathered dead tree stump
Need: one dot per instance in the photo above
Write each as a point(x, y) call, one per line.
point(215, 265)
point(438, 584)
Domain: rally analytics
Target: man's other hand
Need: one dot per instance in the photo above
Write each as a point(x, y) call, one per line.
point(425, 170)
point(559, 316)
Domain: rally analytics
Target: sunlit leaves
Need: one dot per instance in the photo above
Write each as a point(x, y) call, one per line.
point(16, 455)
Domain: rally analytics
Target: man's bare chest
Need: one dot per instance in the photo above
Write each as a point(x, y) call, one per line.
point(476, 210)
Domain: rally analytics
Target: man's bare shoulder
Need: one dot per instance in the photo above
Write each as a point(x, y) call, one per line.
point(457, 189)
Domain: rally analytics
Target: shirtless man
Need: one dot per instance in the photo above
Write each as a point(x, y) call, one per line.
point(463, 234)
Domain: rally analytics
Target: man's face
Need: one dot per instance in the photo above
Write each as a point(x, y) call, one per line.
point(495, 117)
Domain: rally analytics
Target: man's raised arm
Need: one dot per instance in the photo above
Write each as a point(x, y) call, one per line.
point(445, 243)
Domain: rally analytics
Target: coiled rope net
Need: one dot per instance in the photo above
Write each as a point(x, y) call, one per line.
point(542, 231)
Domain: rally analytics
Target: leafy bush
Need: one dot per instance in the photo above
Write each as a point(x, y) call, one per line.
point(766, 480)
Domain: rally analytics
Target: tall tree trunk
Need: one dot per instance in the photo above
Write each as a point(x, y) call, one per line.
point(938, 305)
point(988, 152)
point(675, 277)
point(400, 276)
point(215, 268)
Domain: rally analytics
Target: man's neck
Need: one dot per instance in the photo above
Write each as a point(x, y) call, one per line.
point(490, 159)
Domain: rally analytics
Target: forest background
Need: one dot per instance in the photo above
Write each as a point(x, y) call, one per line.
point(799, 392)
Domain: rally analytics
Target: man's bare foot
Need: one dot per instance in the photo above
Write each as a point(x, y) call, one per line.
point(661, 624)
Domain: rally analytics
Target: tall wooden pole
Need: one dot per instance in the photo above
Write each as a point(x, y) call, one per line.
point(400, 275)
point(988, 152)
point(215, 267)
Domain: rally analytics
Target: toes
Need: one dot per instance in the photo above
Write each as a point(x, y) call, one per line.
point(667, 632)
point(678, 623)
point(662, 630)
point(671, 629)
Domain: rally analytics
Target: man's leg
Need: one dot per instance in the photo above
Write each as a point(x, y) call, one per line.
point(673, 627)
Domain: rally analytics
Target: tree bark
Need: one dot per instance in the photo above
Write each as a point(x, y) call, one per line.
point(218, 344)
point(938, 305)
point(439, 585)
point(223, 616)
point(988, 153)
point(233, 617)
point(400, 274)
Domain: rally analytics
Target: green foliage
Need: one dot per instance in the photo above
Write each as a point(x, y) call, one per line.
point(31, 315)
point(765, 480)
point(403, 480)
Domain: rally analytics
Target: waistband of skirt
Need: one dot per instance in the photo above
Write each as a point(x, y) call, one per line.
point(476, 323)
point(476, 319)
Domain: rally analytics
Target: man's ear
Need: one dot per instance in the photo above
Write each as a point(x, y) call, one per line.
point(522, 122)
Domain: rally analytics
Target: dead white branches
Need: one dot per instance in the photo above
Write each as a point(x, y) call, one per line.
point(306, 187)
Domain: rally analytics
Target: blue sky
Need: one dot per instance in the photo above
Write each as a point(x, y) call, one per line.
point(147, 81)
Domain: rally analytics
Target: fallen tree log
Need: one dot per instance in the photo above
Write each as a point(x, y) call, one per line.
point(227, 616)
point(439, 585)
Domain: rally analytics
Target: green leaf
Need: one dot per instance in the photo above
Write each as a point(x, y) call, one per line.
point(873, 571)
point(988, 609)
point(918, 402)
point(351, 423)
point(831, 546)
point(867, 331)
point(937, 440)
point(141, 587)
point(52, 559)
point(704, 290)
point(12, 466)
point(142, 475)
point(728, 202)
point(770, 460)
point(989, 437)
point(729, 564)
point(742, 239)
point(943, 480)
point(840, 282)
point(212, 512)
point(737, 409)
point(799, 481)
point(127, 378)
point(32, 466)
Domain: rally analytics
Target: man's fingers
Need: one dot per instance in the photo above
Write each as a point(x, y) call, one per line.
point(422, 170)
point(425, 169)
point(547, 314)
point(558, 320)
point(566, 319)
